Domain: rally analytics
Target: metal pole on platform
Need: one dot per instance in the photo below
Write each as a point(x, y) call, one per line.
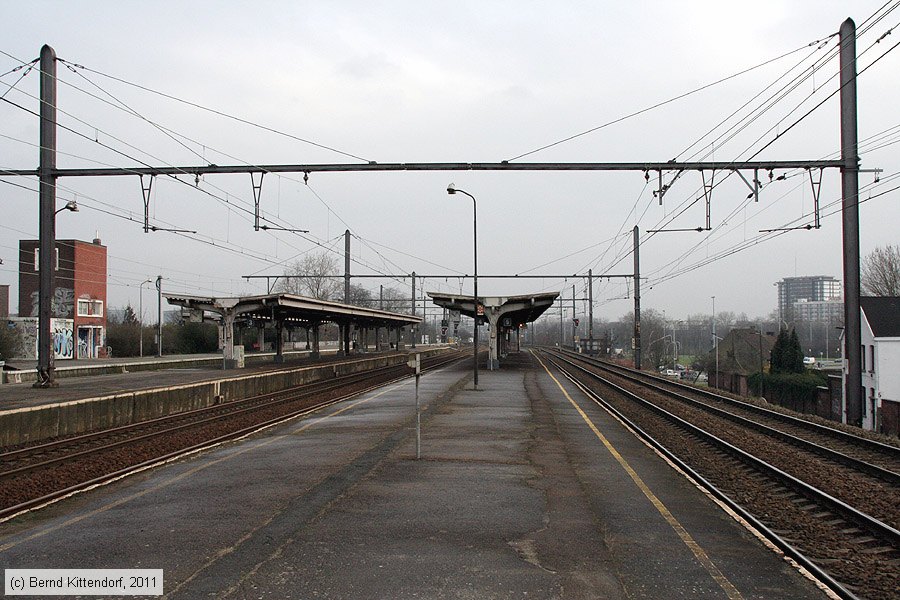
point(590, 311)
point(412, 326)
point(451, 189)
point(345, 338)
point(574, 320)
point(159, 323)
point(637, 300)
point(47, 218)
point(141, 319)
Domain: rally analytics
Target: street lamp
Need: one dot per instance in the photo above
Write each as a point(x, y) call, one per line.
point(451, 189)
point(71, 205)
point(141, 317)
point(46, 283)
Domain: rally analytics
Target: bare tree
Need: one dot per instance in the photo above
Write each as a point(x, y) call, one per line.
point(314, 276)
point(880, 274)
point(360, 296)
point(395, 300)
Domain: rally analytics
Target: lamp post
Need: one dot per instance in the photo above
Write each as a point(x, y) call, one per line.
point(71, 205)
point(715, 340)
point(141, 317)
point(451, 189)
point(159, 323)
point(674, 347)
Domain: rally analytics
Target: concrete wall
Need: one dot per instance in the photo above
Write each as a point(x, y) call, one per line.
point(47, 421)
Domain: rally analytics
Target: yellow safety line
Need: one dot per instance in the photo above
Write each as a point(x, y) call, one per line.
point(689, 541)
point(188, 473)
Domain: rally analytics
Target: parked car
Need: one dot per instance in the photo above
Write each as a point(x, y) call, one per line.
point(809, 360)
point(669, 373)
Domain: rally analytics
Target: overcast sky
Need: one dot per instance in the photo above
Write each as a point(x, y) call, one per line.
point(454, 82)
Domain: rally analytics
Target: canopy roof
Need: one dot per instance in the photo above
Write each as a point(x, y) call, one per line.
point(290, 307)
point(518, 309)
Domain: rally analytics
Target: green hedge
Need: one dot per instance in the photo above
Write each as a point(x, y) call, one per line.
point(787, 388)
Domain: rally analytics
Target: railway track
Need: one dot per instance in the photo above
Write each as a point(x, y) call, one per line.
point(38, 474)
point(884, 458)
point(831, 514)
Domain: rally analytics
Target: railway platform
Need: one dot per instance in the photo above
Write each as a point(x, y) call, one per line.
point(91, 402)
point(524, 489)
point(95, 378)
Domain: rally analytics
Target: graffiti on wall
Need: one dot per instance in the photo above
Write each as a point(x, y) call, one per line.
point(62, 303)
point(27, 332)
point(63, 338)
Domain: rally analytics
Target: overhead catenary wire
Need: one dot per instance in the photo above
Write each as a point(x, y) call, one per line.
point(220, 113)
point(132, 112)
point(662, 103)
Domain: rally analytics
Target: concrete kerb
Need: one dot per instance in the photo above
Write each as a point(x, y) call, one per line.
point(78, 416)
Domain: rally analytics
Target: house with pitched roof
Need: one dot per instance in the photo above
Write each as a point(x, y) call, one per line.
point(880, 338)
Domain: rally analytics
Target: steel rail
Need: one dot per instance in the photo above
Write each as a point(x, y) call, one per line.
point(887, 475)
point(874, 525)
point(874, 445)
point(823, 576)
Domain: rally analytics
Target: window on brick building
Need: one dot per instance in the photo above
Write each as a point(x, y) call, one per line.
point(37, 259)
point(90, 308)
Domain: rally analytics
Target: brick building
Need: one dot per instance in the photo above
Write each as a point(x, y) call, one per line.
point(78, 305)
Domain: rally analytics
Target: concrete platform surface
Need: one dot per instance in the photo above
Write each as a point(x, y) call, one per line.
point(523, 491)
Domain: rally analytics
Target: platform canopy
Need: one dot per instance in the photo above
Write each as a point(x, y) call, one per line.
point(290, 307)
point(286, 310)
point(504, 314)
point(517, 309)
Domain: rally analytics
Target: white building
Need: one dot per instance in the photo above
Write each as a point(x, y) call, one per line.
point(819, 310)
point(880, 338)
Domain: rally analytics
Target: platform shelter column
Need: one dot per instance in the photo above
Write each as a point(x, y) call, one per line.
point(228, 339)
point(315, 341)
point(279, 341)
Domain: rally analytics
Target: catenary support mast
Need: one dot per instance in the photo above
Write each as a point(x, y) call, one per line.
point(853, 398)
point(47, 211)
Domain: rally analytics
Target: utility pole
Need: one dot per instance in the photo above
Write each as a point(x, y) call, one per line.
point(346, 327)
point(850, 213)
point(412, 328)
point(380, 307)
point(637, 300)
point(715, 341)
point(159, 323)
point(47, 218)
point(574, 320)
point(560, 324)
point(590, 312)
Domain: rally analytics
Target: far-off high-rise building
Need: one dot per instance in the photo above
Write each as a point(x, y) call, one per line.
point(814, 288)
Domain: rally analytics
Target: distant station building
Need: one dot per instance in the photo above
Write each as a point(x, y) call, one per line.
point(78, 299)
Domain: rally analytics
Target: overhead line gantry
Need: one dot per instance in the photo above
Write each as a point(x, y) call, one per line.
point(48, 173)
